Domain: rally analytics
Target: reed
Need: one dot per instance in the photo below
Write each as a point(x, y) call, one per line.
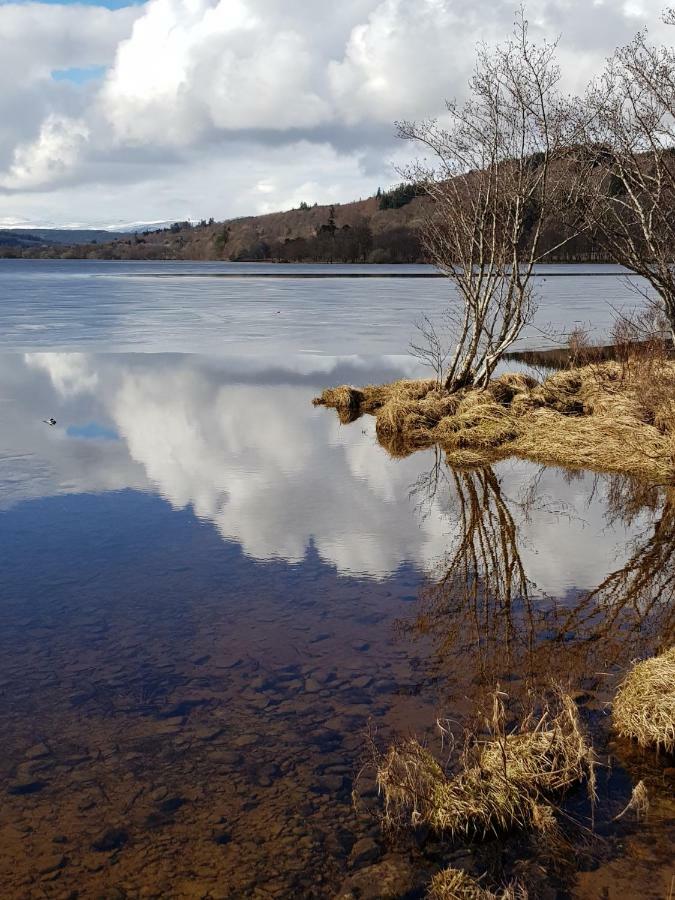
point(504, 782)
point(644, 707)
point(453, 884)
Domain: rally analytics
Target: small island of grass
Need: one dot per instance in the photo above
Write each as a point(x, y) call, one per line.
point(609, 416)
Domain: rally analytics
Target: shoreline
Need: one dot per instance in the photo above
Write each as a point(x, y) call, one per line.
point(623, 273)
point(291, 275)
point(563, 358)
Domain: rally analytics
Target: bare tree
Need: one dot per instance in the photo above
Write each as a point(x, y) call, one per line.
point(430, 347)
point(493, 177)
point(629, 127)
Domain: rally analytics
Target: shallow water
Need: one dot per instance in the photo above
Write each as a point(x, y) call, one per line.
point(214, 597)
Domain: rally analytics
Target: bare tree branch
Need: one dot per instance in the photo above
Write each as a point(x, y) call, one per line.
point(496, 179)
point(629, 130)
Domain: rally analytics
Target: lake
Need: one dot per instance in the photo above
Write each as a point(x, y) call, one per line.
point(116, 306)
point(216, 601)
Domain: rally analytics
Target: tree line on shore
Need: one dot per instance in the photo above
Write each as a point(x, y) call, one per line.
point(354, 241)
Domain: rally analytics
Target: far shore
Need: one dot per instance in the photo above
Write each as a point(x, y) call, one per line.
point(376, 270)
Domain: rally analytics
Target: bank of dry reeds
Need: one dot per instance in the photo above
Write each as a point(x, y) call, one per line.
point(644, 707)
point(505, 781)
point(453, 884)
point(610, 416)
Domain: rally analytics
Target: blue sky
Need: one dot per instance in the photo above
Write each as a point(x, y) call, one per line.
point(79, 74)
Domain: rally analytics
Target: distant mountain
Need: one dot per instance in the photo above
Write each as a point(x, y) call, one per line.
point(136, 227)
point(31, 237)
point(11, 238)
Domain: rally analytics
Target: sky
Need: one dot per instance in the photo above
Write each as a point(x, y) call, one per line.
point(114, 113)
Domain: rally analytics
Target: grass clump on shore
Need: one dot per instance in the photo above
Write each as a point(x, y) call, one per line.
point(644, 707)
point(609, 416)
point(503, 782)
point(453, 884)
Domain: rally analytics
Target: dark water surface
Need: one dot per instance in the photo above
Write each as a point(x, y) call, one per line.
point(213, 598)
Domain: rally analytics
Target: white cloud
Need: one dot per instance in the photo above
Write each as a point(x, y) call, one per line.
point(50, 157)
point(36, 38)
point(404, 60)
point(70, 373)
point(206, 183)
point(199, 93)
point(190, 65)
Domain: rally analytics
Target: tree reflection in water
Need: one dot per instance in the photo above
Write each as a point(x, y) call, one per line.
point(482, 610)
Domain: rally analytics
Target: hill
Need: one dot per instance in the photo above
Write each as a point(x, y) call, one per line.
point(34, 237)
point(352, 232)
point(380, 229)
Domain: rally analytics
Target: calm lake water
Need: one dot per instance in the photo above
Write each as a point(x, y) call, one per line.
point(115, 306)
point(214, 598)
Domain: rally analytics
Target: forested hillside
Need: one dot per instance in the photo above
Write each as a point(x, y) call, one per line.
point(379, 229)
point(382, 229)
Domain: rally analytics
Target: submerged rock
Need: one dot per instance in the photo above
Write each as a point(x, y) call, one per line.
point(38, 751)
point(51, 864)
point(111, 839)
point(364, 850)
point(390, 879)
point(23, 788)
point(172, 804)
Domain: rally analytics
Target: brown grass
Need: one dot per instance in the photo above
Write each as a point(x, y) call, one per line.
point(504, 782)
point(638, 803)
point(453, 884)
point(644, 707)
point(610, 417)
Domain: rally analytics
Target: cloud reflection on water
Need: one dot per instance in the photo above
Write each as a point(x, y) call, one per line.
point(247, 451)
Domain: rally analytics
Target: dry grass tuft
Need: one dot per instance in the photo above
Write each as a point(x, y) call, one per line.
point(644, 707)
point(438, 405)
point(343, 397)
point(453, 884)
point(561, 392)
point(399, 415)
point(607, 443)
point(503, 782)
point(481, 423)
point(372, 397)
point(511, 385)
point(609, 416)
